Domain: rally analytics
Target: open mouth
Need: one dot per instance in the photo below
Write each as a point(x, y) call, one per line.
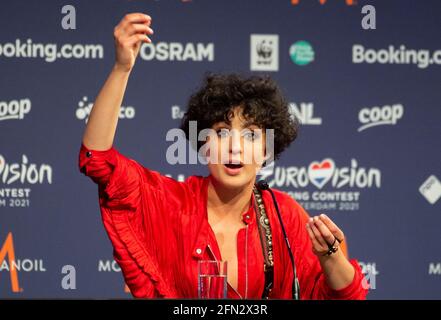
point(233, 166)
point(233, 169)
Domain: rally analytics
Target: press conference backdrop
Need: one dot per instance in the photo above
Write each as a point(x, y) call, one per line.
point(368, 154)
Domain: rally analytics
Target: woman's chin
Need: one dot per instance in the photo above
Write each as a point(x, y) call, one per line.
point(235, 181)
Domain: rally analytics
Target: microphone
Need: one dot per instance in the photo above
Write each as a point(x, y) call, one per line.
point(263, 185)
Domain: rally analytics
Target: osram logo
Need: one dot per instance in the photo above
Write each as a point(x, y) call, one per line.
point(376, 116)
point(176, 51)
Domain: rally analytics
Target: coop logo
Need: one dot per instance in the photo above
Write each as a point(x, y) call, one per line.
point(264, 52)
point(378, 116)
point(176, 51)
point(348, 183)
point(85, 107)
point(8, 263)
point(322, 2)
point(24, 173)
point(14, 109)
point(304, 112)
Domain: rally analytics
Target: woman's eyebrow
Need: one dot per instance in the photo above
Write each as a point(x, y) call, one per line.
point(249, 122)
point(251, 126)
point(221, 125)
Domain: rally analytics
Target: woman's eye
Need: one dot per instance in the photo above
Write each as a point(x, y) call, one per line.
point(251, 135)
point(223, 133)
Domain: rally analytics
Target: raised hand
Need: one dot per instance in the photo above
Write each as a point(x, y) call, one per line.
point(129, 34)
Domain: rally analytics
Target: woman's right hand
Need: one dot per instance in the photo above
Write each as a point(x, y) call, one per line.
point(129, 34)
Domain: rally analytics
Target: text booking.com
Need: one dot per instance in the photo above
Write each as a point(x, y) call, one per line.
point(422, 58)
point(50, 51)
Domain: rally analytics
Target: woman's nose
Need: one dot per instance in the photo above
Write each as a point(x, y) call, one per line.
point(235, 143)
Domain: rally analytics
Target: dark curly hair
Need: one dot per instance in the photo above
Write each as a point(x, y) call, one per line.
point(259, 97)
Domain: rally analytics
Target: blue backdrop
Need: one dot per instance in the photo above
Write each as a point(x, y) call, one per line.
point(368, 153)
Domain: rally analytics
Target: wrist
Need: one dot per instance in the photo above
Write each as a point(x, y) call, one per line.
point(337, 269)
point(121, 69)
point(335, 258)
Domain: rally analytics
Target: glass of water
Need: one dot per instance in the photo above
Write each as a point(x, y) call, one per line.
point(212, 277)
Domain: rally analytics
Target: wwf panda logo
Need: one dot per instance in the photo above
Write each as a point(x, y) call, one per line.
point(264, 51)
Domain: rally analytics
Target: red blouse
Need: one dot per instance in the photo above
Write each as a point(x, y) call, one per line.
point(159, 230)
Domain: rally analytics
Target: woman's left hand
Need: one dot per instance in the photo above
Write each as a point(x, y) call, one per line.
point(324, 234)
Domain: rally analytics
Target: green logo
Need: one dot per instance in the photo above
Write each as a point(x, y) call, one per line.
point(301, 53)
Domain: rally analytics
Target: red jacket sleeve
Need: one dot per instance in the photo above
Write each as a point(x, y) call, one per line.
point(117, 176)
point(136, 207)
point(312, 280)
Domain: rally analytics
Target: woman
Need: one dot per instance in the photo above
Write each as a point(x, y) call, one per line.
point(161, 228)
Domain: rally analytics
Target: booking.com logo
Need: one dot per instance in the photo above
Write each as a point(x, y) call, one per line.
point(50, 51)
point(422, 58)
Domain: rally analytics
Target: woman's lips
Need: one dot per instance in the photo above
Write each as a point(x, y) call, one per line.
point(233, 169)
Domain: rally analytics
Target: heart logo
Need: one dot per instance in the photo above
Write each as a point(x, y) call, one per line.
point(321, 173)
